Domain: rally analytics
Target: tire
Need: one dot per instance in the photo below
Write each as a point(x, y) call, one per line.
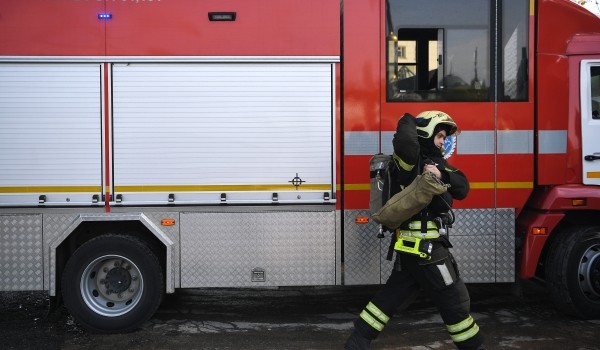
point(573, 271)
point(112, 283)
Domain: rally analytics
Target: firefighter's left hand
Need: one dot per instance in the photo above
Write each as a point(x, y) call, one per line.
point(432, 168)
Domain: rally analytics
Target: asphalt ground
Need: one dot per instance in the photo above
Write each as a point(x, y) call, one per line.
point(512, 316)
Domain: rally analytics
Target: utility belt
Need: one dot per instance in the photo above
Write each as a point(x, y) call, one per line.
point(412, 239)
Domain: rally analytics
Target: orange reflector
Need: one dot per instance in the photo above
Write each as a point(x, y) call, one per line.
point(167, 222)
point(362, 220)
point(579, 202)
point(538, 231)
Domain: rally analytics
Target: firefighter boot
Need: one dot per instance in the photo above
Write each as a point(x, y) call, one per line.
point(357, 342)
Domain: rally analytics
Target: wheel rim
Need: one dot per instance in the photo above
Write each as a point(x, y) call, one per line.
point(111, 285)
point(589, 273)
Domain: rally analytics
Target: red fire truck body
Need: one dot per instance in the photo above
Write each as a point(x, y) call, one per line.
point(150, 145)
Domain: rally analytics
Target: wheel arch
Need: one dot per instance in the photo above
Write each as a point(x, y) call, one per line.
point(87, 226)
point(571, 218)
point(571, 267)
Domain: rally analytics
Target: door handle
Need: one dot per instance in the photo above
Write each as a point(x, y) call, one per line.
point(591, 157)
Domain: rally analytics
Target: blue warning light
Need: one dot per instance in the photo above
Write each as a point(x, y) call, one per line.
point(105, 16)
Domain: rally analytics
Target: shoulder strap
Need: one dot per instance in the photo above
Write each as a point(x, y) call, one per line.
point(424, 211)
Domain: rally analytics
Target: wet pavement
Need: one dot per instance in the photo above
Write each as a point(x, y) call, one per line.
point(299, 318)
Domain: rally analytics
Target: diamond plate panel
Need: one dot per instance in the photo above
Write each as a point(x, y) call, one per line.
point(290, 248)
point(483, 242)
point(474, 222)
point(54, 226)
point(362, 257)
point(21, 252)
point(173, 233)
point(505, 246)
point(475, 257)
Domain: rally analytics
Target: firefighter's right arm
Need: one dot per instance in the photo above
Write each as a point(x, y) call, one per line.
point(406, 145)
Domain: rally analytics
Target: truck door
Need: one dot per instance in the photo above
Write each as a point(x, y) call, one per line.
point(590, 121)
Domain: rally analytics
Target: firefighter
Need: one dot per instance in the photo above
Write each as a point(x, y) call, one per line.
point(430, 268)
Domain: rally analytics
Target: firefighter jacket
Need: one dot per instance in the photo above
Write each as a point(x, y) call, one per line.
point(411, 153)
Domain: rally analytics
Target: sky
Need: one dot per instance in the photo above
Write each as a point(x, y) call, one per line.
point(593, 6)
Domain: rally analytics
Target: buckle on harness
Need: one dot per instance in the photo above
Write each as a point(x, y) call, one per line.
point(415, 246)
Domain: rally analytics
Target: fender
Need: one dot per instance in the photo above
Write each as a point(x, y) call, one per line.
point(547, 208)
point(103, 217)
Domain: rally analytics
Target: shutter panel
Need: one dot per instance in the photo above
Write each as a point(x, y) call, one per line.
point(50, 133)
point(244, 129)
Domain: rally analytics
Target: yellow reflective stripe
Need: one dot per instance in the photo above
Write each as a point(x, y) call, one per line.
point(462, 325)
point(220, 188)
point(354, 187)
point(501, 185)
point(418, 234)
point(49, 189)
point(402, 164)
point(414, 230)
point(474, 186)
point(466, 335)
point(416, 225)
point(371, 321)
point(377, 313)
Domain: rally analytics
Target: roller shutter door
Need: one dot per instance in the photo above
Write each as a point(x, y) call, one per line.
point(50, 133)
point(233, 132)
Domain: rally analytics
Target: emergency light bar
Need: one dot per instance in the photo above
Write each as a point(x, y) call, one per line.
point(221, 16)
point(105, 16)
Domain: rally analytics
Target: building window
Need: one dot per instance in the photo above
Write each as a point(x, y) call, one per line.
point(401, 52)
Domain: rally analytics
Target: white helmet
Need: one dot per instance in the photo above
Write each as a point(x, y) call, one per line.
point(428, 120)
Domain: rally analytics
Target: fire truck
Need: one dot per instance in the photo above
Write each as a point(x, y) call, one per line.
point(153, 145)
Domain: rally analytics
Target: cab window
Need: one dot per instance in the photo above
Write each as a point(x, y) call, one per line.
point(595, 92)
point(434, 56)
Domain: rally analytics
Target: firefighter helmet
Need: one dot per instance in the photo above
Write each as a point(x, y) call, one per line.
point(428, 120)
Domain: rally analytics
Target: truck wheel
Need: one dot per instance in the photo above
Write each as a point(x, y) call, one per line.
point(112, 283)
point(573, 271)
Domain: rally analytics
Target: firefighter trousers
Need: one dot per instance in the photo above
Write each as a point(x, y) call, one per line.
point(441, 283)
